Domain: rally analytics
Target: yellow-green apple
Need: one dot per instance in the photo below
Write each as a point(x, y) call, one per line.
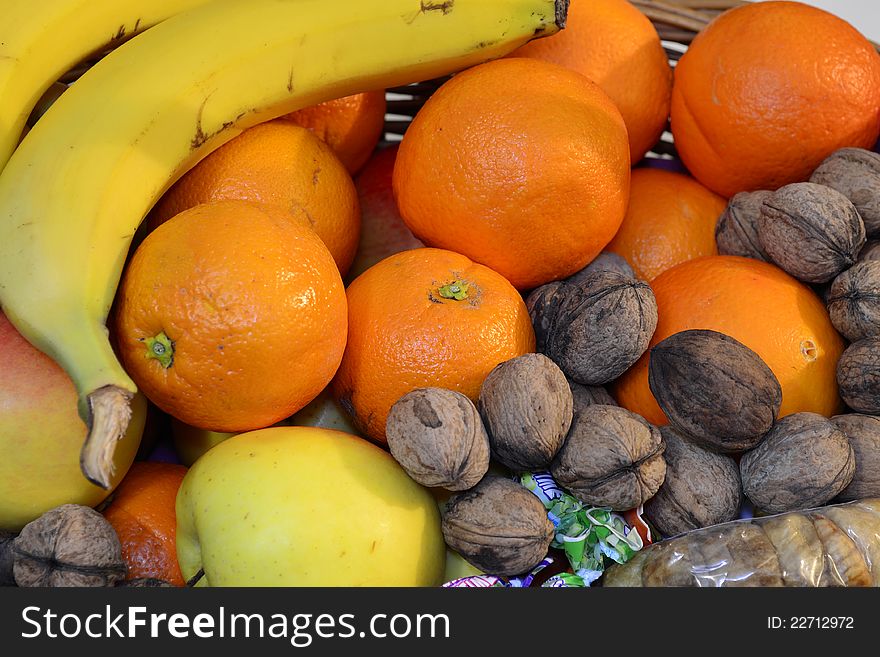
point(306, 506)
point(41, 435)
point(383, 232)
point(191, 442)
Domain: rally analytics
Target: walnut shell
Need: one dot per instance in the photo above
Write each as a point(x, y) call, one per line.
point(858, 375)
point(871, 251)
point(439, 439)
point(6, 559)
point(714, 389)
point(855, 173)
point(605, 261)
point(701, 488)
point(498, 526)
point(811, 231)
point(526, 405)
point(596, 329)
point(611, 457)
point(70, 545)
point(736, 232)
point(863, 433)
point(804, 461)
point(144, 582)
point(854, 301)
point(583, 396)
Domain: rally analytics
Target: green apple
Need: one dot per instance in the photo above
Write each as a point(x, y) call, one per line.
point(457, 567)
point(41, 435)
point(306, 506)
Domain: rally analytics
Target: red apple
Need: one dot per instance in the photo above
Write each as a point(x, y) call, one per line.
point(383, 232)
point(41, 434)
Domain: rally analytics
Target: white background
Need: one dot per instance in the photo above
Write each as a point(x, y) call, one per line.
point(863, 14)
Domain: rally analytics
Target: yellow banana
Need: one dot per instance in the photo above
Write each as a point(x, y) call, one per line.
point(40, 41)
point(82, 180)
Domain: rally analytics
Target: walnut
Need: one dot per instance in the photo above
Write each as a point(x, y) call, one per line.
point(863, 433)
point(611, 457)
point(583, 396)
point(498, 526)
point(701, 488)
point(526, 405)
point(854, 301)
point(855, 173)
point(736, 232)
point(804, 462)
point(605, 261)
point(595, 329)
point(713, 389)
point(6, 559)
point(439, 439)
point(871, 251)
point(811, 231)
point(70, 545)
point(858, 375)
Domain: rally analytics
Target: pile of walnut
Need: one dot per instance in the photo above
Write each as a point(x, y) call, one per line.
point(724, 441)
point(70, 545)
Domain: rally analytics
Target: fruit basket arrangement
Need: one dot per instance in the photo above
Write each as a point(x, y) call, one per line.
point(435, 301)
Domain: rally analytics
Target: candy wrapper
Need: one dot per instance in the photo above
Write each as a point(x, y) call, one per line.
point(590, 539)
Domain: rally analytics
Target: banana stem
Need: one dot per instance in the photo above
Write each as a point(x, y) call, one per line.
point(561, 13)
point(109, 415)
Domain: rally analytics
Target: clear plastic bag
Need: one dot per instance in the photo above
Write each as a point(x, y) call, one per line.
point(836, 545)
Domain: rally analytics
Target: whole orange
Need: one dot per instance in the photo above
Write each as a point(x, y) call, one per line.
point(142, 511)
point(769, 89)
point(281, 164)
point(351, 126)
point(231, 317)
point(670, 218)
point(778, 317)
point(425, 317)
point(617, 47)
point(519, 164)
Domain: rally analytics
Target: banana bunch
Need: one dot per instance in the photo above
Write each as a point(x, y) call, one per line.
point(79, 184)
point(39, 42)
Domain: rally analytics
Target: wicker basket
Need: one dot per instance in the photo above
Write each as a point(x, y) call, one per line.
point(677, 22)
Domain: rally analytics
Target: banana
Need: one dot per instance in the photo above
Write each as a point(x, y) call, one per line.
point(82, 180)
point(40, 41)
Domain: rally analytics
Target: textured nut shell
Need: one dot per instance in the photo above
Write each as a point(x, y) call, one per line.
point(526, 405)
point(813, 232)
point(858, 376)
point(439, 439)
point(6, 559)
point(611, 457)
point(584, 396)
point(701, 488)
point(605, 261)
point(70, 545)
point(803, 462)
point(594, 330)
point(854, 301)
point(498, 526)
point(863, 433)
point(714, 389)
point(736, 232)
point(871, 251)
point(855, 173)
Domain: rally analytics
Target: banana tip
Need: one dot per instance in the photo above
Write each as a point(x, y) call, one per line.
point(561, 13)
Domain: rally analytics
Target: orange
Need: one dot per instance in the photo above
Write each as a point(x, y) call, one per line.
point(670, 218)
point(617, 47)
point(519, 164)
point(351, 126)
point(231, 317)
point(767, 91)
point(778, 317)
point(142, 513)
point(280, 164)
point(425, 317)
